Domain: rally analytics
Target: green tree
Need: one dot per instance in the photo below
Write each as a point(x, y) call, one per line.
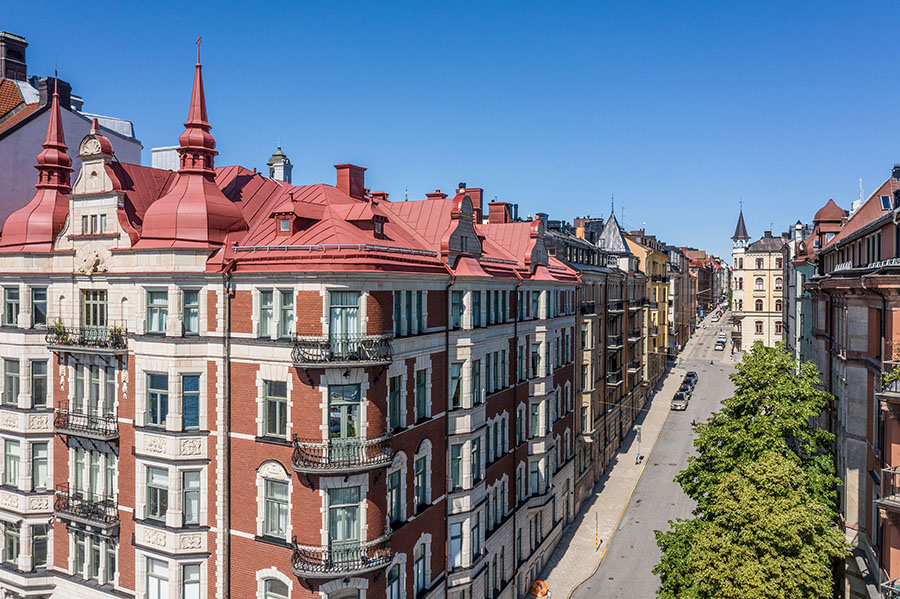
point(763, 537)
point(775, 403)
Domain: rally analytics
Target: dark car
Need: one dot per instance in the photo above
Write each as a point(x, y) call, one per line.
point(691, 377)
point(686, 388)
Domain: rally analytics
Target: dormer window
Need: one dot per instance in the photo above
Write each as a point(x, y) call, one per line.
point(379, 228)
point(284, 225)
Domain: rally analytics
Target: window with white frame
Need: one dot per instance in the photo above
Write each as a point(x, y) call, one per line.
point(39, 383)
point(157, 400)
point(422, 407)
point(266, 313)
point(157, 582)
point(421, 567)
point(190, 311)
point(396, 489)
point(275, 408)
point(11, 306)
point(276, 500)
point(157, 311)
point(455, 545)
point(393, 582)
point(395, 397)
point(157, 493)
point(190, 497)
point(11, 463)
point(422, 475)
point(274, 589)
point(190, 581)
point(95, 557)
point(10, 382)
point(285, 313)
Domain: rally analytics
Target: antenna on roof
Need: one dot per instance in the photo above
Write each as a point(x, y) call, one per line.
point(612, 208)
point(741, 203)
point(406, 194)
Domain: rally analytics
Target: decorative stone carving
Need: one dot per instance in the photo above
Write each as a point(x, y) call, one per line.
point(39, 504)
point(272, 470)
point(191, 446)
point(9, 500)
point(39, 421)
point(191, 542)
point(155, 537)
point(92, 263)
point(154, 444)
point(9, 420)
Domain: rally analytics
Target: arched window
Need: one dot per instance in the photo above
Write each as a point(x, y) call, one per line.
point(273, 502)
point(759, 305)
point(737, 326)
point(759, 264)
point(274, 589)
point(422, 475)
point(759, 284)
point(778, 327)
point(740, 283)
point(779, 305)
point(396, 489)
point(759, 327)
point(741, 263)
point(740, 305)
point(778, 283)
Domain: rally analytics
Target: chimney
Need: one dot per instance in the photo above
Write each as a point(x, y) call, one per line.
point(498, 212)
point(437, 195)
point(476, 194)
point(379, 196)
point(12, 57)
point(45, 90)
point(351, 180)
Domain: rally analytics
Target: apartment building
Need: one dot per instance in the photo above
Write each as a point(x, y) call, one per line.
point(222, 384)
point(652, 262)
point(682, 310)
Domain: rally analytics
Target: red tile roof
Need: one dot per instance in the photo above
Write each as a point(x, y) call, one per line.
point(868, 212)
point(9, 96)
point(19, 116)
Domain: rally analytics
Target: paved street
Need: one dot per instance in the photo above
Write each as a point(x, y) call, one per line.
point(632, 500)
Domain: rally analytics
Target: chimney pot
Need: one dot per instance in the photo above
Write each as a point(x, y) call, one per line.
point(351, 180)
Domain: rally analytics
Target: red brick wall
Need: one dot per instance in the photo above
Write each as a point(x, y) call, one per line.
point(379, 309)
point(212, 313)
point(242, 312)
point(308, 310)
point(437, 309)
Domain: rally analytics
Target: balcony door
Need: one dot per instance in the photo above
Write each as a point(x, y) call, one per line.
point(344, 323)
point(343, 423)
point(93, 313)
point(344, 524)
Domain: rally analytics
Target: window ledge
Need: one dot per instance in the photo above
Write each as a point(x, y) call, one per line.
point(274, 441)
point(273, 541)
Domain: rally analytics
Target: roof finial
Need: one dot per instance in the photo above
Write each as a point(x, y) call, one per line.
point(198, 48)
point(613, 202)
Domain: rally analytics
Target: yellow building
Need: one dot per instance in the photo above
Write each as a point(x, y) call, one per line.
point(656, 327)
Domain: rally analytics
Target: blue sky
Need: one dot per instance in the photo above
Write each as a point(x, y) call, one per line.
point(679, 109)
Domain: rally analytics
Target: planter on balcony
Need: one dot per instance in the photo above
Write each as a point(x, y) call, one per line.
point(342, 350)
point(342, 455)
point(99, 340)
point(345, 558)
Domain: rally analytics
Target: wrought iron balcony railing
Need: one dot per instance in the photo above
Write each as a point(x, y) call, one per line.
point(341, 558)
point(614, 378)
point(634, 366)
point(614, 341)
point(342, 349)
point(616, 306)
point(80, 507)
point(342, 455)
point(634, 334)
point(653, 305)
point(69, 422)
point(588, 308)
point(653, 331)
point(105, 339)
point(660, 278)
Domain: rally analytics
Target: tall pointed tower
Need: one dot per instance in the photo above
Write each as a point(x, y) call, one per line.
point(194, 212)
point(35, 226)
point(740, 237)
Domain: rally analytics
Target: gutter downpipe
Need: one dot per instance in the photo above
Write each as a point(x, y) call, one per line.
point(450, 284)
point(224, 438)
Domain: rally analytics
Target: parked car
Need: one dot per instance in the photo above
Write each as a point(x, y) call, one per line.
point(691, 377)
point(686, 388)
point(679, 402)
point(720, 345)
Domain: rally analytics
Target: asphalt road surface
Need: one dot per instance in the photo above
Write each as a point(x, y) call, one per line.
point(625, 572)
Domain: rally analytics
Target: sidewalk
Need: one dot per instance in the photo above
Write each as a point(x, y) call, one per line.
point(576, 558)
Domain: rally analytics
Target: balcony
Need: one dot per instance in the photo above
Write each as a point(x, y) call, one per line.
point(345, 350)
point(634, 366)
point(614, 378)
point(614, 341)
point(634, 334)
point(653, 305)
point(106, 340)
point(635, 305)
point(889, 394)
point(653, 331)
point(588, 308)
point(660, 278)
point(103, 428)
point(79, 508)
point(615, 307)
point(890, 589)
point(890, 489)
point(342, 455)
point(346, 559)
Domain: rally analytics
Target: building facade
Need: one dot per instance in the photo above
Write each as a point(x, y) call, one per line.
point(217, 383)
point(652, 262)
